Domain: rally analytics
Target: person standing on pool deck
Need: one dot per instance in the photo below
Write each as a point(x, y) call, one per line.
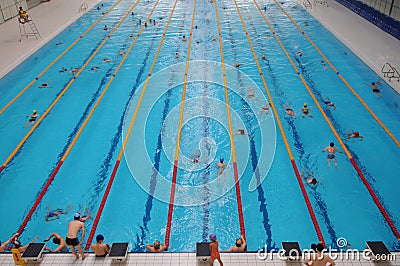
point(214, 250)
point(72, 236)
point(331, 154)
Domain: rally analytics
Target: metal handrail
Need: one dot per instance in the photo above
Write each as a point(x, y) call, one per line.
point(390, 72)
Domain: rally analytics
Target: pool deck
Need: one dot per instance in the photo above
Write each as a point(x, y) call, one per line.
point(183, 259)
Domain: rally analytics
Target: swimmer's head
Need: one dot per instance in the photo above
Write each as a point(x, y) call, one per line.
point(331, 144)
point(320, 247)
point(157, 244)
point(20, 8)
point(221, 160)
point(56, 241)
point(16, 243)
point(99, 237)
point(314, 181)
point(305, 105)
point(313, 246)
point(77, 216)
point(239, 242)
point(373, 83)
point(213, 237)
point(34, 111)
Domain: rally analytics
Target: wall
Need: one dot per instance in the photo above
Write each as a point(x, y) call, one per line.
point(390, 8)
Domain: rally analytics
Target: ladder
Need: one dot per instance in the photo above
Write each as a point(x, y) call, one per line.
point(33, 31)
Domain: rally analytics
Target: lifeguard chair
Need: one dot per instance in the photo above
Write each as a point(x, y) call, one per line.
point(23, 22)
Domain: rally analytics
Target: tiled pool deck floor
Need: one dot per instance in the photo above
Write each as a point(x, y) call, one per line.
point(183, 259)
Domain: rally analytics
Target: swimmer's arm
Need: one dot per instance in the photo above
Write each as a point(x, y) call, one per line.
point(150, 248)
point(47, 239)
point(83, 234)
point(229, 249)
point(244, 241)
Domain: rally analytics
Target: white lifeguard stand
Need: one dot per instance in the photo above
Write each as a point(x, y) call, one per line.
point(23, 24)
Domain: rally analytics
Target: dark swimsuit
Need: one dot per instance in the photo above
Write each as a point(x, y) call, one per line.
point(375, 90)
point(72, 241)
point(33, 119)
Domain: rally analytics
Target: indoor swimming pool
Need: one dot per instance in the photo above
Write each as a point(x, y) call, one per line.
point(176, 119)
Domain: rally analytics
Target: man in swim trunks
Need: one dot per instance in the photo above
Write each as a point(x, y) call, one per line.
point(374, 87)
point(331, 154)
point(58, 240)
point(156, 247)
point(72, 236)
point(329, 103)
point(306, 111)
point(100, 249)
point(289, 110)
point(240, 245)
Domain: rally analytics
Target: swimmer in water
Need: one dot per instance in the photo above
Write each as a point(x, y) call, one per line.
point(184, 38)
point(106, 60)
point(75, 70)
point(240, 245)
point(213, 38)
point(311, 180)
point(62, 70)
point(157, 246)
point(331, 154)
point(237, 65)
point(351, 134)
point(265, 109)
point(250, 94)
point(196, 156)
point(329, 103)
point(324, 66)
point(121, 52)
point(299, 53)
point(263, 57)
point(374, 87)
point(44, 85)
point(221, 169)
point(306, 111)
point(176, 55)
point(55, 214)
point(95, 68)
point(241, 131)
point(289, 110)
point(105, 28)
point(32, 119)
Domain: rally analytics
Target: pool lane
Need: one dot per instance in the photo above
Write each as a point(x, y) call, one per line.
point(294, 165)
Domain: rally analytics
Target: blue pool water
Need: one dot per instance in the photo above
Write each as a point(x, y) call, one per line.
point(138, 205)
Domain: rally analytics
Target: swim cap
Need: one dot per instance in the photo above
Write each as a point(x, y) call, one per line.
point(77, 215)
point(99, 237)
point(34, 111)
point(320, 247)
point(356, 133)
point(331, 144)
point(372, 83)
point(305, 105)
point(213, 237)
point(221, 160)
point(157, 244)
